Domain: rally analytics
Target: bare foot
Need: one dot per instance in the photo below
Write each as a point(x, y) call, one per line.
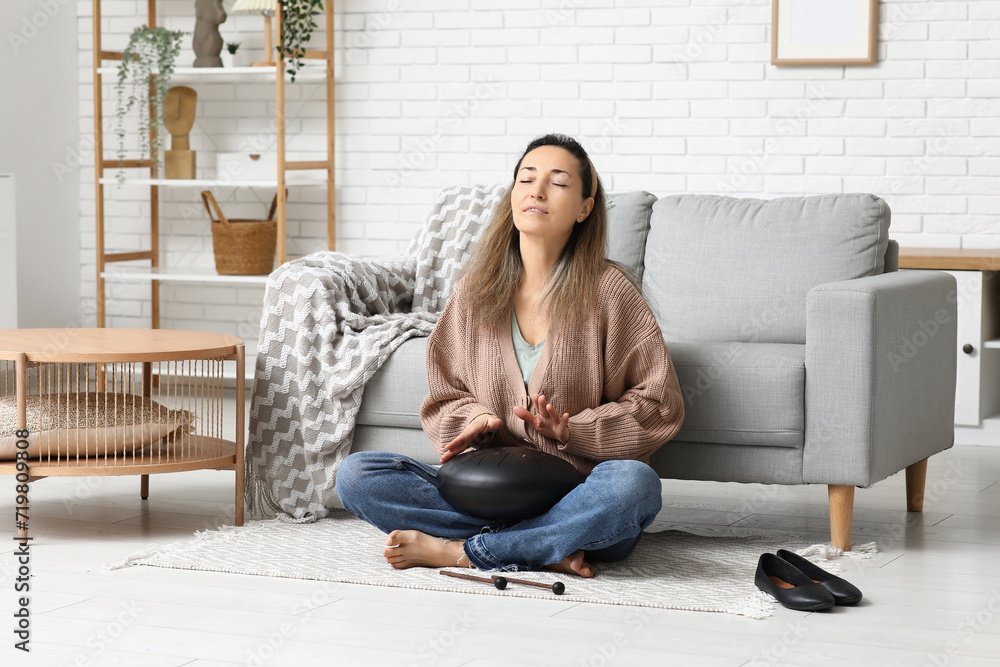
point(573, 564)
point(411, 548)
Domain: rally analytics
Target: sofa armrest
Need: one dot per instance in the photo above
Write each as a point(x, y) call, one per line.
point(880, 375)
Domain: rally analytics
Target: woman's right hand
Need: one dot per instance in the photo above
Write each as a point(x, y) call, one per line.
point(479, 429)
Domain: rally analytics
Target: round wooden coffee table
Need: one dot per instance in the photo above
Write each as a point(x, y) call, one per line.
point(117, 402)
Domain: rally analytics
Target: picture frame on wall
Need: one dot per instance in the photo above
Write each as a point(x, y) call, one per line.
point(824, 32)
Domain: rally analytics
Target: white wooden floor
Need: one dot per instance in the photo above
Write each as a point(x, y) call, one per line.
point(932, 597)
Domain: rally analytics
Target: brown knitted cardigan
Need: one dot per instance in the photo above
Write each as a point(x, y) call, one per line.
point(612, 374)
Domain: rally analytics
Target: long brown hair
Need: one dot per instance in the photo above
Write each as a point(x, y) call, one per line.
point(495, 271)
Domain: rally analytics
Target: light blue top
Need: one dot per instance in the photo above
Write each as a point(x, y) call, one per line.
point(527, 354)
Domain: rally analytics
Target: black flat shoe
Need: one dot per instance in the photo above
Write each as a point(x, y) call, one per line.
point(790, 586)
point(843, 592)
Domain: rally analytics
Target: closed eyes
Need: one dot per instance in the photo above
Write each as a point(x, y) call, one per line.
point(561, 185)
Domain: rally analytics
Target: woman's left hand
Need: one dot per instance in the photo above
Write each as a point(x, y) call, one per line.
point(546, 420)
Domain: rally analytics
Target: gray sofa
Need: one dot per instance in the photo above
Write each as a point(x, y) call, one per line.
point(804, 356)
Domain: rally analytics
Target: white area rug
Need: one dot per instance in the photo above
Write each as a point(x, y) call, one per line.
point(668, 569)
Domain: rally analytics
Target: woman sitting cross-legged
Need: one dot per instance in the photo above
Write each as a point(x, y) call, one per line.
point(544, 344)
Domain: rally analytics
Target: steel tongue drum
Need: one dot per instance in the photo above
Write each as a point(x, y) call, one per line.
point(506, 483)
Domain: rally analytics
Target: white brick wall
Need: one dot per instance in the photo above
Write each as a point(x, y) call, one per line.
point(668, 97)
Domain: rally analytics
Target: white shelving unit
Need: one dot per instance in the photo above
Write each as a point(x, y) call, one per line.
point(302, 173)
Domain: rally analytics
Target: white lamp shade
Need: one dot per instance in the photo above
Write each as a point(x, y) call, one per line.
point(254, 6)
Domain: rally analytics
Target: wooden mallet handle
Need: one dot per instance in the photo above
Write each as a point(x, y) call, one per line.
point(499, 582)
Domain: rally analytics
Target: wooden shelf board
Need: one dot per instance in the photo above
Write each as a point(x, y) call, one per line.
point(214, 453)
point(950, 259)
point(178, 274)
point(291, 181)
point(308, 72)
point(994, 343)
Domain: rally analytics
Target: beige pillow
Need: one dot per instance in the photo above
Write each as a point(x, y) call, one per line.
point(88, 424)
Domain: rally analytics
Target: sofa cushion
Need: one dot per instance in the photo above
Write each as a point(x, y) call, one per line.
point(628, 226)
point(741, 393)
point(727, 269)
point(394, 394)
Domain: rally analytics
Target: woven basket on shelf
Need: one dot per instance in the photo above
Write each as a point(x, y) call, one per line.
point(242, 247)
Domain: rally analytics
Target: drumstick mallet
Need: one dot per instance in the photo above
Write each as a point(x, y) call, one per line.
point(499, 582)
point(558, 587)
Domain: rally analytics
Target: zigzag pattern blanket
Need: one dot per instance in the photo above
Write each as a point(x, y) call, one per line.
point(329, 322)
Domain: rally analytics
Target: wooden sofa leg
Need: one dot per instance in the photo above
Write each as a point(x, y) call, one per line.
point(841, 515)
point(144, 487)
point(916, 476)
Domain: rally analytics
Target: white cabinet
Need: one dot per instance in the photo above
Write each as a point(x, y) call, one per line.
point(977, 390)
point(977, 378)
point(8, 254)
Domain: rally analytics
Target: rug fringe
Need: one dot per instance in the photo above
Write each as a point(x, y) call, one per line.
point(146, 552)
point(757, 605)
point(823, 552)
point(222, 534)
point(287, 518)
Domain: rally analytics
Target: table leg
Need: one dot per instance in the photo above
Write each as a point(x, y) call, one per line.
point(240, 427)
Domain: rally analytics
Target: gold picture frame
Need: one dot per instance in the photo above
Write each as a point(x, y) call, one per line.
point(824, 32)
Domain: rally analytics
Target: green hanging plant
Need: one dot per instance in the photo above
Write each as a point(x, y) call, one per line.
point(298, 20)
point(148, 58)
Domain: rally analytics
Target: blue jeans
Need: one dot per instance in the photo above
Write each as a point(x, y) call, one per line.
point(604, 516)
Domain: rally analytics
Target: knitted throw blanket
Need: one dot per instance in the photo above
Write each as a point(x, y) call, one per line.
point(329, 322)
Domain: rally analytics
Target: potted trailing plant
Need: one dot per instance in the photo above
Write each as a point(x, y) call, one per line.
point(232, 56)
point(143, 78)
point(298, 20)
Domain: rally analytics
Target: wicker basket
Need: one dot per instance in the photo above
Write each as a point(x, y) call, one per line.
point(242, 247)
